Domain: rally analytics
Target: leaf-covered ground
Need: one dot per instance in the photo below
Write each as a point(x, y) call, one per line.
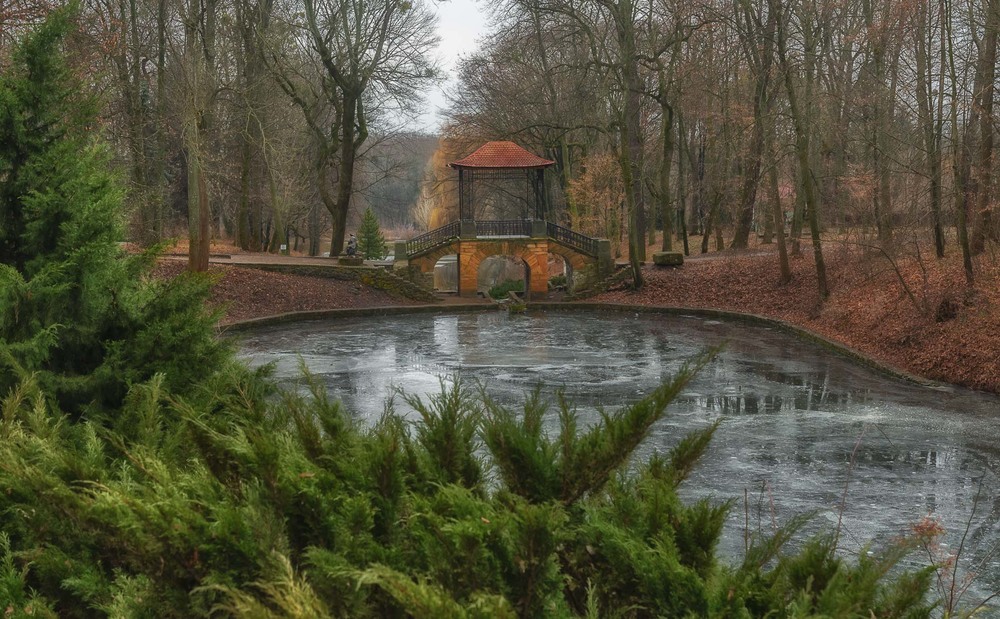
point(246, 292)
point(939, 328)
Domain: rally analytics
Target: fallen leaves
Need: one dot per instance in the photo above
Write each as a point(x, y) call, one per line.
point(868, 309)
point(251, 293)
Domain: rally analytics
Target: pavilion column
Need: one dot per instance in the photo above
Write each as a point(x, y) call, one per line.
point(540, 195)
point(466, 207)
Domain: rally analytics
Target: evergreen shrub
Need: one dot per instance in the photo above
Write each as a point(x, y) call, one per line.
point(256, 505)
point(75, 310)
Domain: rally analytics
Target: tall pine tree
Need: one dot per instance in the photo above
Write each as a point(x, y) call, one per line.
point(74, 308)
point(371, 242)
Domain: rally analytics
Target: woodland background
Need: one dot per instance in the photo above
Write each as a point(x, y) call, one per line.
point(146, 471)
point(869, 122)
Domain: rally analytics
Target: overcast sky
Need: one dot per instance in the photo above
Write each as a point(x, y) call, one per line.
point(460, 23)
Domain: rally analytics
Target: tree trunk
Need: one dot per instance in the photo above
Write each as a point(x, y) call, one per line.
point(160, 143)
point(982, 221)
point(798, 217)
point(751, 179)
point(562, 154)
point(712, 226)
point(198, 215)
point(777, 212)
point(681, 187)
point(139, 120)
point(960, 160)
point(630, 156)
point(666, 212)
point(280, 225)
point(637, 219)
point(565, 176)
point(345, 175)
point(875, 52)
point(928, 124)
point(198, 210)
point(243, 223)
point(635, 239)
point(314, 230)
point(761, 65)
point(254, 18)
point(720, 243)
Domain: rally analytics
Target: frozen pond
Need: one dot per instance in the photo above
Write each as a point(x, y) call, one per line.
point(793, 413)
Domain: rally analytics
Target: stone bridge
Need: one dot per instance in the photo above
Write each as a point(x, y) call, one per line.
point(587, 260)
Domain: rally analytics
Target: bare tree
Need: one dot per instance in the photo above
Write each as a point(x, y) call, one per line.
point(199, 22)
point(930, 103)
point(980, 191)
point(802, 135)
point(962, 147)
point(757, 35)
point(370, 54)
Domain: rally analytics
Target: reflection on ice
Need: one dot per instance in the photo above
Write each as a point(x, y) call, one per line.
point(804, 429)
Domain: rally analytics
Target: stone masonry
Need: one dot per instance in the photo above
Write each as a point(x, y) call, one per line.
point(583, 271)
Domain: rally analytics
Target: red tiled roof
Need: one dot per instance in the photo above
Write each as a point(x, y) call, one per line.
point(501, 155)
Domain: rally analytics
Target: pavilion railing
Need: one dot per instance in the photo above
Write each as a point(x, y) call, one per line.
point(439, 236)
point(577, 241)
point(502, 228)
point(507, 227)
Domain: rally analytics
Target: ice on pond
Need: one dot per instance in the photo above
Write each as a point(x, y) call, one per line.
point(804, 429)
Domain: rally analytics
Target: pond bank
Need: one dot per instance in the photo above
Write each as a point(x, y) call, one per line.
point(933, 327)
point(868, 316)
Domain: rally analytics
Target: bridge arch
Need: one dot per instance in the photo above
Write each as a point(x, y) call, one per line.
point(499, 269)
point(587, 260)
point(421, 266)
point(578, 266)
point(533, 252)
point(444, 274)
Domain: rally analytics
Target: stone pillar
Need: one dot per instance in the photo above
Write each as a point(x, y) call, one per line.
point(538, 229)
point(399, 254)
point(537, 259)
point(605, 263)
point(468, 270)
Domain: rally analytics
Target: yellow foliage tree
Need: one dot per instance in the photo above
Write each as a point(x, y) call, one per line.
point(600, 198)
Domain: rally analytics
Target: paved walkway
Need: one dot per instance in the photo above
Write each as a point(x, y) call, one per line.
point(262, 258)
point(251, 259)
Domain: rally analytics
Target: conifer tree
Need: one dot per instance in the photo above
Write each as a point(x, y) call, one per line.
point(74, 307)
point(371, 242)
